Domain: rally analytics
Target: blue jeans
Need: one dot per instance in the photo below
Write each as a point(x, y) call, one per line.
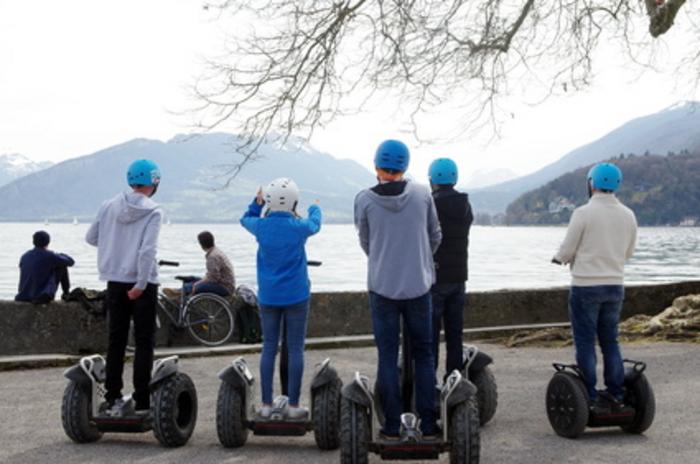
point(448, 307)
point(205, 287)
point(386, 315)
point(596, 311)
point(294, 317)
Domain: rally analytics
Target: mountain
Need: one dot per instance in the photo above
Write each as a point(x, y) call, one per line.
point(194, 170)
point(661, 190)
point(485, 177)
point(671, 130)
point(14, 166)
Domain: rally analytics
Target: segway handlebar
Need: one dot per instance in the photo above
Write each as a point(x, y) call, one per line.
point(314, 263)
point(163, 262)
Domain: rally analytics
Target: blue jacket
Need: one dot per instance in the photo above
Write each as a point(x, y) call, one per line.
point(283, 277)
point(37, 275)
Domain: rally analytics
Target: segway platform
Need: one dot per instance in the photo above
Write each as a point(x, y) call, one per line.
point(172, 416)
point(235, 411)
point(570, 412)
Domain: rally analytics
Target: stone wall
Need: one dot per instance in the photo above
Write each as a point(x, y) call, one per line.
point(67, 328)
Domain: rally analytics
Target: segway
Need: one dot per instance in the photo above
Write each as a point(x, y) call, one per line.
point(236, 416)
point(475, 367)
point(569, 409)
point(362, 418)
point(172, 416)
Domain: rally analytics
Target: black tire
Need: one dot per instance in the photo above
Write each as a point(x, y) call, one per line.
point(174, 406)
point(465, 440)
point(75, 414)
point(640, 395)
point(326, 415)
point(567, 405)
point(230, 415)
point(486, 394)
point(354, 433)
point(209, 319)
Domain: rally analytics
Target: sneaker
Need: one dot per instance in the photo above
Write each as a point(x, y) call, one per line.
point(298, 413)
point(117, 408)
point(264, 411)
point(599, 407)
point(615, 405)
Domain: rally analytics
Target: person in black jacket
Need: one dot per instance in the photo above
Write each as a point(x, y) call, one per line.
point(42, 271)
point(449, 291)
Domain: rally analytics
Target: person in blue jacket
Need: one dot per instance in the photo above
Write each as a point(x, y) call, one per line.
point(283, 283)
point(41, 271)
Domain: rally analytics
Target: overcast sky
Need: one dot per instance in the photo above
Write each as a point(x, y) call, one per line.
point(81, 75)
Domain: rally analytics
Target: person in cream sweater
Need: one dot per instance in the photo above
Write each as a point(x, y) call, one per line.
point(599, 240)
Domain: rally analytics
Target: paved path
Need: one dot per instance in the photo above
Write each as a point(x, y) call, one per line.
point(30, 426)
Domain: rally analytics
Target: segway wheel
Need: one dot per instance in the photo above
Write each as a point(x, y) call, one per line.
point(465, 443)
point(567, 405)
point(327, 415)
point(174, 407)
point(640, 396)
point(486, 394)
point(230, 416)
point(75, 414)
point(354, 433)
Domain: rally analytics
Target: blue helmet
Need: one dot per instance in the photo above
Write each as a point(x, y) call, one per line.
point(443, 171)
point(605, 176)
point(143, 172)
point(392, 154)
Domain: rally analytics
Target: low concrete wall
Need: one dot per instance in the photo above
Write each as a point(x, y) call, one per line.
point(67, 328)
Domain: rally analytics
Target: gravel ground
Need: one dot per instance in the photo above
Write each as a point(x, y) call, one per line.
point(30, 429)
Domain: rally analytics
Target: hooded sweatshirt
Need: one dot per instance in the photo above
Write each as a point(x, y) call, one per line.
point(399, 231)
point(126, 236)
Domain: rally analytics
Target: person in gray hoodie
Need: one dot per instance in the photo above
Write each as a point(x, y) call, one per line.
point(399, 231)
point(126, 236)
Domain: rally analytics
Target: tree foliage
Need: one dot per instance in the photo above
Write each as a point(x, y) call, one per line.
point(304, 62)
point(661, 190)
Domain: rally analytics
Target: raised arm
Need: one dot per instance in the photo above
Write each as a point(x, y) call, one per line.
point(312, 224)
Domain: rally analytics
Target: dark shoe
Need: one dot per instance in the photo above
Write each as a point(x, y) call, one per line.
point(599, 407)
point(615, 405)
point(390, 438)
point(65, 297)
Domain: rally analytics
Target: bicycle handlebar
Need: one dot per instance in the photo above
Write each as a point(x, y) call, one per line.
point(163, 262)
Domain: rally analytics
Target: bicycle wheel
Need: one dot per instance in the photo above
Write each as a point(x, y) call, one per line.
point(209, 319)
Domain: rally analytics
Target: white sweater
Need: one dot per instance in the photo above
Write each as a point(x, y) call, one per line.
point(600, 238)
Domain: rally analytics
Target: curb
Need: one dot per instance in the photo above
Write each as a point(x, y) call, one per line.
point(41, 361)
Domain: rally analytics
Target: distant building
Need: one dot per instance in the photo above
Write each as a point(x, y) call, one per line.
point(689, 222)
point(560, 204)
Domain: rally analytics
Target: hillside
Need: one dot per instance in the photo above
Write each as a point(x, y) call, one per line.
point(194, 171)
point(13, 166)
point(662, 190)
point(673, 129)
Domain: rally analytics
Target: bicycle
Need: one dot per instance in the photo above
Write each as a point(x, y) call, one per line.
point(206, 316)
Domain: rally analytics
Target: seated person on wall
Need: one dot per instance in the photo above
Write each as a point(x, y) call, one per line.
point(42, 271)
point(219, 278)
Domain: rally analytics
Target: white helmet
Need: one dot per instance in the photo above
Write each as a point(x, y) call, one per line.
point(282, 195)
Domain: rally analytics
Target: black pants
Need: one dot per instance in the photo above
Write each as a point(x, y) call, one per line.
point(63, 279)
point(121, 310)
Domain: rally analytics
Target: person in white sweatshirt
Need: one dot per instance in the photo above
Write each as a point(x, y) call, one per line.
point(126, 236)
point(601, 236)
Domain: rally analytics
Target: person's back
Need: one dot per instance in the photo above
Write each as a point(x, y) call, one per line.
point(605, 231)
point(42, 271)
point(123, 223)
point(400, 241)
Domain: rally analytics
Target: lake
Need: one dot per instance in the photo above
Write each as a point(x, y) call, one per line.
point(499, 257)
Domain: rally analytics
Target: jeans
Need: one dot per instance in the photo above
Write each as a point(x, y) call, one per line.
point(596, 311)
point(448, 307)
point(294, 317)
point(121, 310)
point(205, 287)
point(417, 317)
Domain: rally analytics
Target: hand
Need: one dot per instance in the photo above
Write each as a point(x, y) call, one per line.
point(259, 197)
point(134, 293)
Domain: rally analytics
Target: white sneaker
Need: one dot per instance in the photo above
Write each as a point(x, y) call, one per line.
point(264, 412)
point(297, 413)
